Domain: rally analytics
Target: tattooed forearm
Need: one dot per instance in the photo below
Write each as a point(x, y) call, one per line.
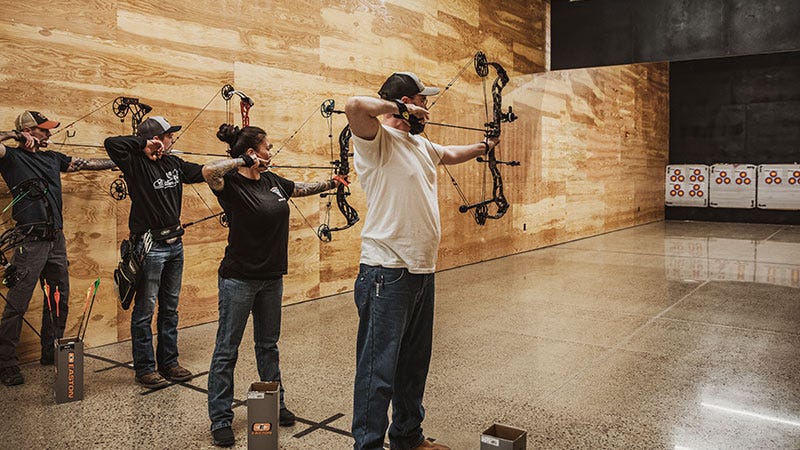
point(306, 189)
point(90, 164)
point(214, 171)
point(99, 164)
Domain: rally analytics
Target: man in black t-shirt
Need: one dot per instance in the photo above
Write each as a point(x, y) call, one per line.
point(40, 253)
point(155, 181)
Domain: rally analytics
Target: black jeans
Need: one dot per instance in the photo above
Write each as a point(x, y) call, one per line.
point(34, 259)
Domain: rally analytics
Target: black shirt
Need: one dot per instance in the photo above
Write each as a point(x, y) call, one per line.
point(155, 187)
point(20, 165)
point(258, 215)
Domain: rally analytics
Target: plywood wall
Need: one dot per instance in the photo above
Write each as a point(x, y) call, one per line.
point(592, 143)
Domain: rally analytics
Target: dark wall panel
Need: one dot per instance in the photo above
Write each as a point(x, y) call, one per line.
point(592, 33)
point(735, 110)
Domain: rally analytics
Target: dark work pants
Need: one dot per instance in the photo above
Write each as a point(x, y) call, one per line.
point(35, 259)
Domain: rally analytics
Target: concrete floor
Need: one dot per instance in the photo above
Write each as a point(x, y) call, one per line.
point(671, 335)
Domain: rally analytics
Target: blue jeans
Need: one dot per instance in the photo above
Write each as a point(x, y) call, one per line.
point(160, 283)
point(237, 298)
point(395, 331)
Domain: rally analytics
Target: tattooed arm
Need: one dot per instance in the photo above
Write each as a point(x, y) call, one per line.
point(90, 164)
point(306, 189)
point(214, 171)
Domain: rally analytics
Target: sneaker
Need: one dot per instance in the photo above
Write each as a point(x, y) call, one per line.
point(286, 418)
point(223, 437)
point(176, 373)
point(428, 445)
point(152, 380)
point(48, 357)
point(10, 376)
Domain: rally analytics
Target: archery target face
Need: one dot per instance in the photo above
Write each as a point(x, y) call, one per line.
point(779, 186)
point(732, 186)
point(686, 185)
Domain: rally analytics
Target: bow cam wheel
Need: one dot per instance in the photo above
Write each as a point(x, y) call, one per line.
point(324, 233)
point(118, 189)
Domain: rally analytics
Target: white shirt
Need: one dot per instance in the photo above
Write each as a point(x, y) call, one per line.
point(398, 173)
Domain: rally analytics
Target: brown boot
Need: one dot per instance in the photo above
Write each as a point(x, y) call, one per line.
point(428, 445)
point(152, 380)
point(176, 373)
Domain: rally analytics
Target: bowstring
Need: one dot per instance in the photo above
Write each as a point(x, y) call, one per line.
point(284, 143)
point(486, 117)
point(83, 117)
point(441, 155)
point(451, 83)
point(186, 128)
point(328, 206)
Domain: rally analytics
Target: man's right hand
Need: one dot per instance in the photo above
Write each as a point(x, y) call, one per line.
point(154, 149)
point(418, 112)
point(24, 138)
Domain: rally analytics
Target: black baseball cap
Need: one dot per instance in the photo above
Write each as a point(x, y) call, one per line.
point(404, 84)
point(155, 126)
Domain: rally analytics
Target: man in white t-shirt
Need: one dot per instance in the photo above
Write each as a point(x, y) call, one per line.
point(394, 291)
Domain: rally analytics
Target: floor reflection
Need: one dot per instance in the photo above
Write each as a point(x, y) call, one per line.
point(724, 259)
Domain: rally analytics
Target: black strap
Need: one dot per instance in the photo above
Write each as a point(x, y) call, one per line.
point(167, 233)
point(402, 110)
point(249, 161)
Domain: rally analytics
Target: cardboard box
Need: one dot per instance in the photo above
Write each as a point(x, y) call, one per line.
point(503, 437)
point(263, 404)
point(69, 370)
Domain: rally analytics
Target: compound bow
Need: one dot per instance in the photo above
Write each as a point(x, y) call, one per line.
point(491, 129)
point(341, 168)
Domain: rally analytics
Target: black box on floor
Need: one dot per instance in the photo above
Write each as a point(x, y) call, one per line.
point(503, 437)
point(263, 403)
point(69, 370)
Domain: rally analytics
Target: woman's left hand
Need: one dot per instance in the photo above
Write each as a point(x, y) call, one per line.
point(338, 179)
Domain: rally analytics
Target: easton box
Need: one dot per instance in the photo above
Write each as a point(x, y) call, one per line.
point(69, 370)
point(262, 415)
point(503, 437)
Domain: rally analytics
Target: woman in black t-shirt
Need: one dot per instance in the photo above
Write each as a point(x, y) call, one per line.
point(251, 273)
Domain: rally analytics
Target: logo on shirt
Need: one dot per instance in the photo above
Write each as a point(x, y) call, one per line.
point(278, 192)
point(173, 179)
